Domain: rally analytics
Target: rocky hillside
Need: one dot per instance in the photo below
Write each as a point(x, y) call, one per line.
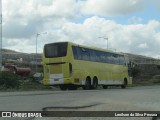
point(139, 59)
point(11, 55)
point(14, 55)
point(147, 67)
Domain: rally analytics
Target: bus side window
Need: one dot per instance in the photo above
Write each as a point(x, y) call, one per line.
point(122, 60)
point(109, 58)
point(85, 54)
point(75, 54)
point(97, 56)
point(92, 55)
point(103, 57)
point(115, 59)
point(79, 53)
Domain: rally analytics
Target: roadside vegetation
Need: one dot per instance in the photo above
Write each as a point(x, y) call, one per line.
point(13, 82)
point(142, 75)
point(146, 75)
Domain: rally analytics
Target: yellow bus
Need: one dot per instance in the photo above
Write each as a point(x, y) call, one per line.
point(70, 65)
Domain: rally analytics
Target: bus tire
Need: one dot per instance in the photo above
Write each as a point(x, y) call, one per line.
point(87, 84)
point(124, 84)
point(105, 86)
point(95, 83)
point(63, 87)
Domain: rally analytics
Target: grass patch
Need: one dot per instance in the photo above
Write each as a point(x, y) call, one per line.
point(9, 80)
point(12, 82)
point(150, 81)
point(29, 85)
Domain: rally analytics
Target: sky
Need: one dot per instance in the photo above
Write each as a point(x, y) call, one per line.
point(131, 26)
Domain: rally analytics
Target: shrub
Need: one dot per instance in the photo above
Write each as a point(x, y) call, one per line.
point(9, 80)
point(135, 72)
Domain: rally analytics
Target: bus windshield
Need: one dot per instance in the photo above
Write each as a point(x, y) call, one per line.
point(55, 50)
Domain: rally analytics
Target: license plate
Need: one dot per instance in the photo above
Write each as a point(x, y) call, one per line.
point(56, 79)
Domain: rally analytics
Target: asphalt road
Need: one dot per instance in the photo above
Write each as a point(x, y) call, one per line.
point(146, 98)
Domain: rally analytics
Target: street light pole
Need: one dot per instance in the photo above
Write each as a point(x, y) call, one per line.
point(0, 34)
point(37, 47)
point(36, 51)
point(105, 39)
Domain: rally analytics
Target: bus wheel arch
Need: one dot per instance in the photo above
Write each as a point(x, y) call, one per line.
point(125, 83)
point(95, 82)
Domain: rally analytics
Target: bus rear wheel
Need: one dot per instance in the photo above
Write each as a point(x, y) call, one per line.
point(95, 83)
point(63, 87)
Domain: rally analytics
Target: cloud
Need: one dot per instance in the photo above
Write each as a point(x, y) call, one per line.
point(43, 8)
point(135, 20)
point(60, 8)
point(21, 45)
point(141, 39)
point(15, 29)
point(112, 7)
point(22, 20)
point(137, 38)
point(157, 4)
point(143, 45)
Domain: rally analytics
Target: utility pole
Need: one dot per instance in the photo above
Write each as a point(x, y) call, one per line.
point(106, 38)
point(0, 33)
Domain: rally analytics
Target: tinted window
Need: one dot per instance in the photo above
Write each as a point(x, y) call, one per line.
point(81, 53)
point(109, 58)
point(97, 56)
point(115, 59)
point(121, 60)
point(75, 54)
point(103, 57)
point(85, 54)
point(92, 55)
point(55, 50)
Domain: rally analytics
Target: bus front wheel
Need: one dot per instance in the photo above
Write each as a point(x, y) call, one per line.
point(87, 84)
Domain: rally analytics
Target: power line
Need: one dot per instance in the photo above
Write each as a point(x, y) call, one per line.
point(0, 33)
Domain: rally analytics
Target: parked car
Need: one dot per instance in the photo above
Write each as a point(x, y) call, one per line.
point(38, 76)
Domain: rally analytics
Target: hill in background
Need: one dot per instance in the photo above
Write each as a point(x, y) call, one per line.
point(11, 55)
point(145, 67)
point(26, 57)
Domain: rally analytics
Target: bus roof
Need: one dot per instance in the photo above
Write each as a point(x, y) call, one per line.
point(95, 48)
point(91, 47)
